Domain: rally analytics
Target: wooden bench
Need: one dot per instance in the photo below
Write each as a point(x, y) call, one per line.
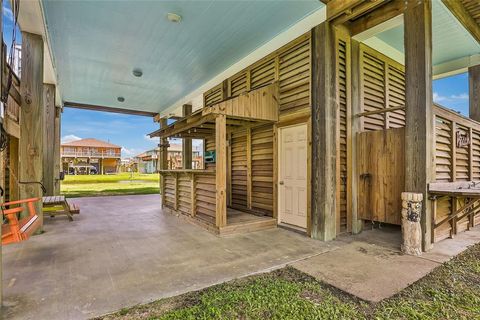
point(58, 205)
point(17, 230)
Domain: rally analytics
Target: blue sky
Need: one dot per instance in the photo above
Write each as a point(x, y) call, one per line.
point(129, 132)
point(452, 92)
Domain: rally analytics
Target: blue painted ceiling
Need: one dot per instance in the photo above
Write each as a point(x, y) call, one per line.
point(97, 44)
point(450, 40)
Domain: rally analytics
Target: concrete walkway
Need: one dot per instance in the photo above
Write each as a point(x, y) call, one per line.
point(371, 266)
point(121, 251)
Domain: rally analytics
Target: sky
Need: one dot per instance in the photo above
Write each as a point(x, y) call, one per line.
point(130, 132)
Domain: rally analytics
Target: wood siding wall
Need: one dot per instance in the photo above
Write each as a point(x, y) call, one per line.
point(289, 65)
point(382, 86)
point(205, 195)
point(453, 163)
point(262, 169)
point(343, 96)
point(238, 165)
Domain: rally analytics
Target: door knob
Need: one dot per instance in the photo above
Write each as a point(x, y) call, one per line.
point(280, 183)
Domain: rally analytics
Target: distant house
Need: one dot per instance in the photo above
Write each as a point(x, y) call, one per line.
point(90, 156)
point(147, 162)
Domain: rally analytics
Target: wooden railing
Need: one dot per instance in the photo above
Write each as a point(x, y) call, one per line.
point(99, 154)
point(457, 146)
point(457, 161)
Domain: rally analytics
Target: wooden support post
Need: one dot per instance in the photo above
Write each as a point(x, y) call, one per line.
point(249, 168)
point(162, 160)
point(31, 119)
point(229, 169)
point(356, 223)
point(187, 142)
point(221, 170)
point(324, 133)
point(419, 156)
point(13, 167)
point(474, 95)
point(56, 150)
point(49, 138)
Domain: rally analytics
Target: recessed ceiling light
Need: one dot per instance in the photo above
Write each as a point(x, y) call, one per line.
point(137, 72)
point(120, 99)
point(173, 17)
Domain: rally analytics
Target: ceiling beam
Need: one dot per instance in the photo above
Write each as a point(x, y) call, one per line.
point(460, 12)
point(76, 105)
point(336, 8)
point(454, 67)
point(381, 19)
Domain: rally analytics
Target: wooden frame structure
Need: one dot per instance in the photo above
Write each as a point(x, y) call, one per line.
point(348, 96)
point(205, 196)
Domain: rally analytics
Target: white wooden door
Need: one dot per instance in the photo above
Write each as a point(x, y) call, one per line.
point(292, 176)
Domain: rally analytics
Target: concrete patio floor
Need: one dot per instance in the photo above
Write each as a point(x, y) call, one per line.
point(121, 251)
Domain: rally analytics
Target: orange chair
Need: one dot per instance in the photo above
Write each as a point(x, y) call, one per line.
point(19, 229)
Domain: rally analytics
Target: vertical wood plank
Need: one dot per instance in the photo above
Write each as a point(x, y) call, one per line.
point(418, 97)
point(324, 133)
point(56, 149)
point(386, 103)
point(193, 196)
point(357, 107)
point(31, 124)
point(49, 138)
point(453, 151)
point(163, 160)
point(175, 205)
point(186, 142)
point(474, 92)
point(309, 177)
point(221, 169)
point(275, 173)
point(229, 169)
point(470, 154)
point(249, 168)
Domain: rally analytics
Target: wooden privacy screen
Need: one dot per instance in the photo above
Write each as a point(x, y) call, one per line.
point(191, 193)
point(452, 161)
point(457, 158)
point(343, 49)
point(289, 65)
point(251, 164)
point(381, 165)
point(238, 167)
point(262, 169)
point(382, 86)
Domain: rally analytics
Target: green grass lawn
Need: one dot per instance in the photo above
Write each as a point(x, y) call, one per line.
point(451, 291)
point(108, 185)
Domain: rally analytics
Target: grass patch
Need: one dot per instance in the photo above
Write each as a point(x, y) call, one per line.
point(451, 291)
point(106, 178)
point(109, 185)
